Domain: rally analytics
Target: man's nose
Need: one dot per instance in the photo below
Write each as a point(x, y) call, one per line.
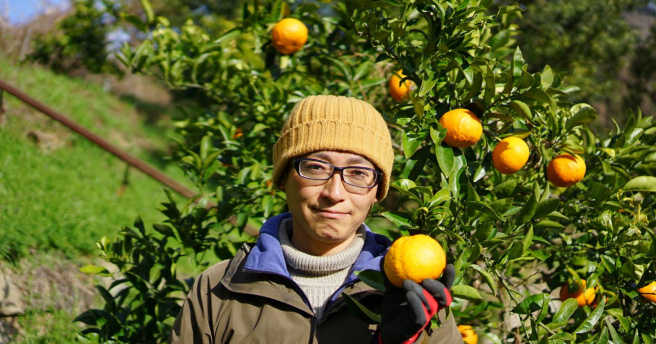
point(334, 188)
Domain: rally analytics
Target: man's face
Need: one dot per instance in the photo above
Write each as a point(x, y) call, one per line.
point(326, 215)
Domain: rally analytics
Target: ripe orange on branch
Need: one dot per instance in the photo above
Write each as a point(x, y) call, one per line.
point(399, 91)
point(566, 170)
point(468, 334)
point(289, 36)
point(510, 155)
point(649, 291)
point(415, 257)
point(463, 128)
point(583, 296)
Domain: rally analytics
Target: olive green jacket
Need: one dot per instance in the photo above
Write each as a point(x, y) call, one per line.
point(227, 305)
point(231, 302)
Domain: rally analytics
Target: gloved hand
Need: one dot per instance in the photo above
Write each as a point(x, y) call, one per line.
point(406, 312)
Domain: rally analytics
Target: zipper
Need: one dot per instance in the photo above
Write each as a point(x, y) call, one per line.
point(313, 328)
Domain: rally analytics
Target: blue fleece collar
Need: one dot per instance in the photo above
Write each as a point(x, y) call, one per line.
point(267, 254)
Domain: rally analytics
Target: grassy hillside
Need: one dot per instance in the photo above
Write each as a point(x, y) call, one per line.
point(60, 192)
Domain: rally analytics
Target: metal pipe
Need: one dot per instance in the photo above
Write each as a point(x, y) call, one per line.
point(141, 165)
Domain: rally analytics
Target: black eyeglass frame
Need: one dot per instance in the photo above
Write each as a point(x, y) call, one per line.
point(297, 166)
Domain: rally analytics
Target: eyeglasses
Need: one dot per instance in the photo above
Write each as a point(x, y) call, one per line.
point(361, 177)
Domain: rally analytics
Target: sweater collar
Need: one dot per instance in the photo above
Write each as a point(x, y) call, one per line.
point(267, 255)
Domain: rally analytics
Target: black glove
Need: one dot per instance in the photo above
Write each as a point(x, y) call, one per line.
point(407, 311)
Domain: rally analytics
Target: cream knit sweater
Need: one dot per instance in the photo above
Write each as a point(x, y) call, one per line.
point(319, 277)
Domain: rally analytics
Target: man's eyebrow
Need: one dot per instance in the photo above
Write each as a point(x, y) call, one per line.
point(351, 160)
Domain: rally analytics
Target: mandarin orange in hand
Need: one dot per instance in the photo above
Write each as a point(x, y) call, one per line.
point(463, 128)
point(468, 334)
point(510, 155)
point(415, 257)
point(399, 91)
point(289, 36)
point(583, 296)
point(566, 170)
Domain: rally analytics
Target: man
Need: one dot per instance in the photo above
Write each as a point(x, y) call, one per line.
point(333, 160)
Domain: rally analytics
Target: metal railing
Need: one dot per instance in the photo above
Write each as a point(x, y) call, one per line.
point(131, 160)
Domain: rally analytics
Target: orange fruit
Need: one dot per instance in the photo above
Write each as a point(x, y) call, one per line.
point(510, 155)
point(399, 91)
point(649, 291)
point(583, 298)
point(566, 170)
point(415, 257)
point(289, 36)
point(468, 334)
point(463, 128)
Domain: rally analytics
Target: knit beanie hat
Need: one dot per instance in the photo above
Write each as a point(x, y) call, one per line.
point(335, 123)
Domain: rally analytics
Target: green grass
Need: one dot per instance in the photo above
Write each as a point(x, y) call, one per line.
point(66, 198)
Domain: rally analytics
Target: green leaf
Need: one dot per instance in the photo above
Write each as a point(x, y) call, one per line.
point(399, 219)
point(372, 278)
point(205, 146)
point(603, 337)
point(528, 238)
point(546, 207)
point(466, 292)
point(636, 337)
point(486, 209)
point(521, 108)
point(476, 86)
point(567, 308)
point(490, 86)
point(411, 143)
point(592, 320)
point(613, 334)
point(148, 10)
point(505, 189)
point(538, 94)
point(547, 76)
point(518, 63)
point(155, 273)
point(445, 158)
point(531, 304)
point(544, 224)
point(581, 114)
point(360, 311)
point(528, 210)
point(427, 85)
point(488, 278)
point(539, 254)
point(95, 270)
point(439, 197)
point(642, 183)
point(231, 34)
point(163, 229)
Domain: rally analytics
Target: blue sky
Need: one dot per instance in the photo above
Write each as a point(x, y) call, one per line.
point(21, 11)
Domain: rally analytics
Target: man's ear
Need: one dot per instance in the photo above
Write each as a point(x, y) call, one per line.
point(283, 180)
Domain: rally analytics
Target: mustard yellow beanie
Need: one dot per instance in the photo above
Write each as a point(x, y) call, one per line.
point(335, 123)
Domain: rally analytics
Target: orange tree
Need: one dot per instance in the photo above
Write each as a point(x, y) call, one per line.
point(514, 238)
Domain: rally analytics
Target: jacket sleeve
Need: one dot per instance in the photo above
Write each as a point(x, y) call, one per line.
point(447, 333)
point(194, 323)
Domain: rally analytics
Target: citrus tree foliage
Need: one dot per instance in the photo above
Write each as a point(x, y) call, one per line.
point(514, 239)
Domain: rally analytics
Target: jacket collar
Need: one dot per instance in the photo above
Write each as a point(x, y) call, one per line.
point(267, 256)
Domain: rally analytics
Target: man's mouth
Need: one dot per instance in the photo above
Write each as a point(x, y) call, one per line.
point(330, 213)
